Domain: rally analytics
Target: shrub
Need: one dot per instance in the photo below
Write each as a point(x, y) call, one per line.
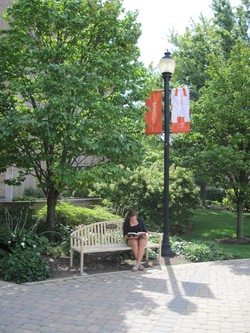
point(67, 214)
point(20, 258)
point(213, 203)
point(196, 251)
point(59, 250)
point(24, 266)
point(143, 191)
point(17, 230)
point(229, 201)
point(60, 240)
point(24, 198)
point(34, 192)
point(4, 237)
point(184, 199)
point(215, 193)
point(30, 194)
point(23, 239)
point(16, 214)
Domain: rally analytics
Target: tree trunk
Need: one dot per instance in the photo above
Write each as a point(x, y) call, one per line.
point(240, 207)
point(52, 198)
point(203, 194)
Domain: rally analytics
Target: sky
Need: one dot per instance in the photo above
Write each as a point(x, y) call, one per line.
point(159, 16)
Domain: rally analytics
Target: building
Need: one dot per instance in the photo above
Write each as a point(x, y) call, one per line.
point(3, 5)
point(7, 193)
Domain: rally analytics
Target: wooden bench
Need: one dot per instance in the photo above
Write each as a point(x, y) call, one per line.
point(106, 236)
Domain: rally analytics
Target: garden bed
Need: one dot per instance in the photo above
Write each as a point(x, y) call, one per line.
point(100, 263)
point(235, 241)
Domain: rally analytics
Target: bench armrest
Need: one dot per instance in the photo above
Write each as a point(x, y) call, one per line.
point(75, 237)
point(155, 233)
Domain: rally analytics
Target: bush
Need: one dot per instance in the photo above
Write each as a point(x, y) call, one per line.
point(4, 237)
point(58, 250)
point(30, 194)
point(34, 192)
point(17, 230)
point(23, 239)
point(60, 240)
point(215, 193)
point(184, 199)
point(143, 191)
point(67, 214)
point(24, 266)
point(24, 198)
point(21, 260)
point(213, 203)
point(197, 252)
point(20, 256)
point(16, 214)
point(229, 201)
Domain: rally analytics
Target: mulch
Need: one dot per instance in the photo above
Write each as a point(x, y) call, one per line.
point(100, 263)
point(106, 262)
point(235, 241)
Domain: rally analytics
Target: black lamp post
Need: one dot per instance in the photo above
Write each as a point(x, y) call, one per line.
point(166, 67)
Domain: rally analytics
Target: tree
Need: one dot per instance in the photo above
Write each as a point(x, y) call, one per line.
point(192, 59)
point(69, 79)
point(231, 24)
point(224, 22)
point(206, 54)
point(187, 150)
point(225, 122)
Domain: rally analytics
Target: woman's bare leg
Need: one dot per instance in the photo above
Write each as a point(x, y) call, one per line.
point(141, 249)
point(133, 243)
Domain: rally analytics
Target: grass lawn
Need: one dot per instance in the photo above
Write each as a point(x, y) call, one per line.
point(211, 225)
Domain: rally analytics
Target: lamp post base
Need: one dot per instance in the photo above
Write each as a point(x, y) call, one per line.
point(166, 251)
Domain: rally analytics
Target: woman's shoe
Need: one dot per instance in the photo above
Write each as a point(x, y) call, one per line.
point(135, 268)
point(141, 268)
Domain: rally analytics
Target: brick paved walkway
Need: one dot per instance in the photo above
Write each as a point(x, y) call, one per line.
point(203, 297)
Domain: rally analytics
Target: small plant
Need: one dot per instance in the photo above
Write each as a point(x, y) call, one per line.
point(202, 252)
point(60, 240)
point(20, 258)
point(23, 239)
point(56, 251)
point(197, 251)
point(215, 193)
point(152, 254)
point(30, 194)
point(34, 192)
point(229, 200)
point(24, 266)
point(19, 214)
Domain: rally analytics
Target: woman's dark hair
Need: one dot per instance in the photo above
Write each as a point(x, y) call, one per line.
point(131, 213)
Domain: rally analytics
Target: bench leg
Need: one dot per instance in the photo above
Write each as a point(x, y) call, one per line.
point(159, 254)
point(81, 263)
point(71, 257)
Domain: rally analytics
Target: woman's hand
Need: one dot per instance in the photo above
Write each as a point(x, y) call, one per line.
point(132, 237)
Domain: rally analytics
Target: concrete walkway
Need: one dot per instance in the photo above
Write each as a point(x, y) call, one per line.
point(203, 297)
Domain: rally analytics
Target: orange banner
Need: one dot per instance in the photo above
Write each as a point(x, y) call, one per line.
point(153, 117)
point(180, 110)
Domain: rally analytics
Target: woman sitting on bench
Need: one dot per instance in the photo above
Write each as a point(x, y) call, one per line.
point(136, 236)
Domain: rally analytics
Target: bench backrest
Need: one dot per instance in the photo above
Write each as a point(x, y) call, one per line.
point(101, 233)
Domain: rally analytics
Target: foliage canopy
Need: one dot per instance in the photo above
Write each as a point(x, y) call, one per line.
point(70, 79)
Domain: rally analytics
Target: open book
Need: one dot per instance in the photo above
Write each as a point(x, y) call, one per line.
point(136, 233)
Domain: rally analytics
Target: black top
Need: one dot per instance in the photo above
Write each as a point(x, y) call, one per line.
point(128, 228)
